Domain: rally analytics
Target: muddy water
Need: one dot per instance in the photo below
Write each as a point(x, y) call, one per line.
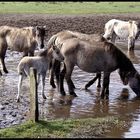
point(122, 101)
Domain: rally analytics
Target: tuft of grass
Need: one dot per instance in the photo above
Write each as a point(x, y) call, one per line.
point(69, 7)
point(60, 128)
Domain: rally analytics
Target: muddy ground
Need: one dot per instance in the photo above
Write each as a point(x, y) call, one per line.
point(54, 23)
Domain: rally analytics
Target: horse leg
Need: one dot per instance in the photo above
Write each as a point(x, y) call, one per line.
point(43, 85)
point(105, 90)
point(99, 80)
point(69, 69)
point(0, 73)
point(113, 38)
point(56, 68)
point(51, 74)
point(131, 43)
point(62, 75)
point(19, 86)
point(38, 79)
point(98, 76)
point(3, 64)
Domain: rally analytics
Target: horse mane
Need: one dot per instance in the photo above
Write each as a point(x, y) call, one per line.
point(124, 63)
point(43, 53)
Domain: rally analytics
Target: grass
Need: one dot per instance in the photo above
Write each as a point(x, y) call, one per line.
point(70, 128)
point(69, 7)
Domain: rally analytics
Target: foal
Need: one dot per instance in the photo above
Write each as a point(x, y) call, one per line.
point(40, 63)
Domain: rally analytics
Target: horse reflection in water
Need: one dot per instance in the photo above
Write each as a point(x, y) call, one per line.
point(102, 56)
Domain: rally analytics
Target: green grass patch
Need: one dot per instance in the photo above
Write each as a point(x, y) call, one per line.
point(69, 7)
point(68, 128)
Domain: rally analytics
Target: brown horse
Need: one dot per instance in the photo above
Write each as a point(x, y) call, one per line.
point(102, 56)
point(60, 37)
point(40, 63)
point(24, 40)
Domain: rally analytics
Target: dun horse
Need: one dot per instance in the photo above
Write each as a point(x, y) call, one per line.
point(24, 40)
point(123, 29)
point(102, 56)
point(40, 63)
point(64, 35)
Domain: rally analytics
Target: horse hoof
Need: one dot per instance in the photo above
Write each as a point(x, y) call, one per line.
point(86, 87)
point(53, 85)
point(63, 93)
point(73, 94)
point(6, 71)
point(44, 97)
point(0, 73)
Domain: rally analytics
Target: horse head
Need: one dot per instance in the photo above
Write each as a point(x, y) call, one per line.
point(40, 34)
point(134, 83)
point(131, 78)
point(57, 53)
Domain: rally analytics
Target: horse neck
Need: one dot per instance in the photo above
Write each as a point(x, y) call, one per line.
point(46, 54)
point(123, 62)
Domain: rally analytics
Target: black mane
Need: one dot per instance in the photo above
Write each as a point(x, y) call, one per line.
point(44, 52)
point(124, 63)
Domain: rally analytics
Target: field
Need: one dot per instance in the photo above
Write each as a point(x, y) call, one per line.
point(70, 7)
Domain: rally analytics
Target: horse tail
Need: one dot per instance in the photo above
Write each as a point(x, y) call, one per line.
point(109, 28)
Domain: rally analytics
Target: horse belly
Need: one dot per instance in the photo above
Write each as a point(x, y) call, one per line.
point(91, 65)
point(16, 44)
point(122, 32)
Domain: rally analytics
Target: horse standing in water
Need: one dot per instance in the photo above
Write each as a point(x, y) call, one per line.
point(55, 65)
point(25, 40)
point(102, 56)
point(122, 29)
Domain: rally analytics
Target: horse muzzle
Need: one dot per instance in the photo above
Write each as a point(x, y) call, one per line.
point(42, 46)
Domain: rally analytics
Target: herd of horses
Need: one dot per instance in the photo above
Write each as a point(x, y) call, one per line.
point(92, 53)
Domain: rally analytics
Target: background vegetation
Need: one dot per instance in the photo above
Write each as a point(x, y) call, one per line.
point(69, 7)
